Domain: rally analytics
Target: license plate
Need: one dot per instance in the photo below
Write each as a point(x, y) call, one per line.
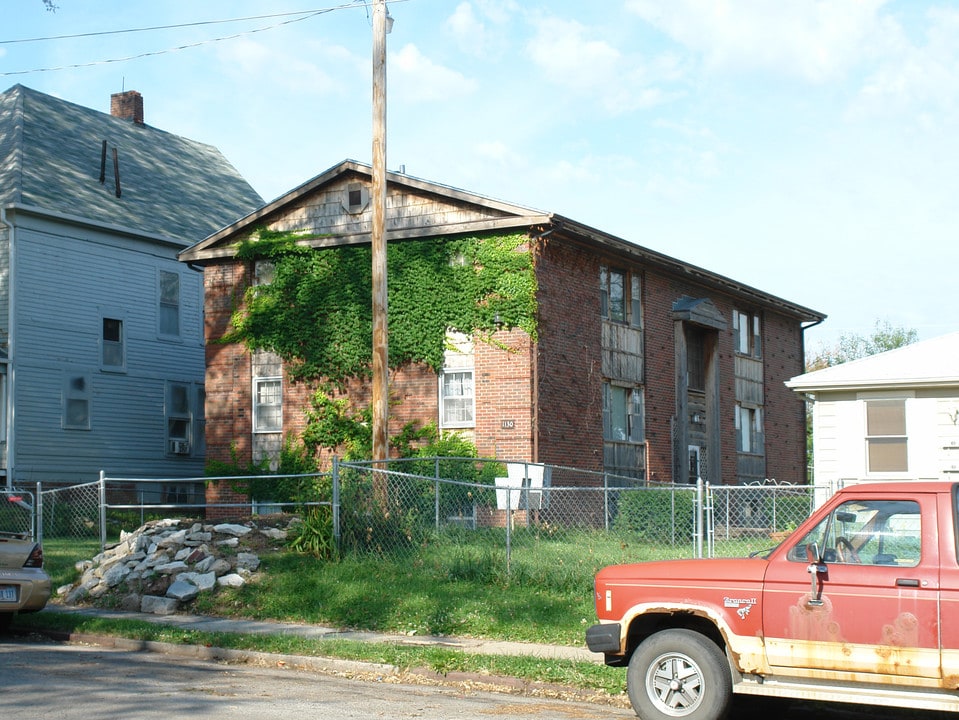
point(8, 593)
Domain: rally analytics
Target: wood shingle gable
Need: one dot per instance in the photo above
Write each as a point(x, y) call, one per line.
point(417, 208)
point(414, 209)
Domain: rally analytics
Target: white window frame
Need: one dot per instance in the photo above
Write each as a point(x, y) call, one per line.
point(118, 346)
point(749, 429)
point(167, 306)
point(629, 424)
point(747, 334)
point(179, 417)
point(876, 439)
point(466, 399)
point(77, 391)
point(260, 407)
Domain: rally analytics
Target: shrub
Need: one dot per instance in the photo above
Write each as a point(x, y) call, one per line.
point(656, 515)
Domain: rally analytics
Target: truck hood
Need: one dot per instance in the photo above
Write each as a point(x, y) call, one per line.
point(678, 572)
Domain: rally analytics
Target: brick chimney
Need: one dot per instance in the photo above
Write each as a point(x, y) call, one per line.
point(127, 105)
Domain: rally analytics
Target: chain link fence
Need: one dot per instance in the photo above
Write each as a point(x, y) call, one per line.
point(390, 506)
point(18, 512)
point(71, 512)
point(483, 512)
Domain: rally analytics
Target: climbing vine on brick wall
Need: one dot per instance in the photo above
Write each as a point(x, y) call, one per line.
point(316, 311)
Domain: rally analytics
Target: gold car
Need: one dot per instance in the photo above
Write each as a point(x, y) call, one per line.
point(24, 584)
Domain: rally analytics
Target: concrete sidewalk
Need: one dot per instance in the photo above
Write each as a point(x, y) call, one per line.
point(266, 627)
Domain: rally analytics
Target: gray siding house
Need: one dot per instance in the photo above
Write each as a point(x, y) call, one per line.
point(101, 328)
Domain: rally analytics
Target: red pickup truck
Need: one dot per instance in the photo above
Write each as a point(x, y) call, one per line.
point(860, 604)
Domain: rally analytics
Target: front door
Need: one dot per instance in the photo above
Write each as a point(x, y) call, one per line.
point(874, 609)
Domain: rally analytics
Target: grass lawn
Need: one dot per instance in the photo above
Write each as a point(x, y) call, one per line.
point(457, 584)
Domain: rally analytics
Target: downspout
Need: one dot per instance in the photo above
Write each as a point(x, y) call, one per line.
point(11, 373)
point(805, 407)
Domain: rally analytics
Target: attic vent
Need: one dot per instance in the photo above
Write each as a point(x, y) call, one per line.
point(357, 198)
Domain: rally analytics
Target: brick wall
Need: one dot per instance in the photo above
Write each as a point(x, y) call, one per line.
point(785, 411)
point(228, 370)
point(503, 373)
point(569, 360)
point(539, 401)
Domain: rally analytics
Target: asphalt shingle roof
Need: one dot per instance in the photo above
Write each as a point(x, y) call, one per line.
point(933, 362)
point(50, 158)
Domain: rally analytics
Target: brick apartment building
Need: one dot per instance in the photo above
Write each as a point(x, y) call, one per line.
point(642, 365)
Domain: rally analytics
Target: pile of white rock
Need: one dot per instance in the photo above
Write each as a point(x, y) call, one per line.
point(167, 563)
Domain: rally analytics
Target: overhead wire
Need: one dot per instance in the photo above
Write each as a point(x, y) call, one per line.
point(301, 15)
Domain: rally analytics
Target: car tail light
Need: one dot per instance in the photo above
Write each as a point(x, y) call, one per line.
point(36, 557)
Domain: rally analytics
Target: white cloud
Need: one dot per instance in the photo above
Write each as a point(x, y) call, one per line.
point(812, 40)
point(915, 79)
point(569, 56)
point(416, 78)
point(500, 152)
point(276, 68)
point(479, 26)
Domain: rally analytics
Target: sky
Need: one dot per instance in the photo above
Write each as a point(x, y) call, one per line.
point(807, 148)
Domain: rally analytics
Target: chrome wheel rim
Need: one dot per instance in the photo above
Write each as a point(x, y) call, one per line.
point(674, 684)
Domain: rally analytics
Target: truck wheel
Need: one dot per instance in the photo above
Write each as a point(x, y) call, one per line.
point(679, 674)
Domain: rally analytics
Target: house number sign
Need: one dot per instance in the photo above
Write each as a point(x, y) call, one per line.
point(508, 424)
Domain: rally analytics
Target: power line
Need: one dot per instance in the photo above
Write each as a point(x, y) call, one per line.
point(308, 13)
point(300, 16)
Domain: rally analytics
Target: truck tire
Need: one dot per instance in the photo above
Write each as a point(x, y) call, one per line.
point(679, 674)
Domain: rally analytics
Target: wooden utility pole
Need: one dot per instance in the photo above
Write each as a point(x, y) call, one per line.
point(381, 383)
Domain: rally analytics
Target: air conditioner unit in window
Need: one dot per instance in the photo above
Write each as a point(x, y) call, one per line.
point(180, 447)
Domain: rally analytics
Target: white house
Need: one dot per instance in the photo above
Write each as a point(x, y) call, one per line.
point(889, 416)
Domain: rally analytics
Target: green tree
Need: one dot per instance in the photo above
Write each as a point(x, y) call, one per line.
point(854, 346)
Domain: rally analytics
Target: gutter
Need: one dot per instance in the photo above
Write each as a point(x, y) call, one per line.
point(11, 372)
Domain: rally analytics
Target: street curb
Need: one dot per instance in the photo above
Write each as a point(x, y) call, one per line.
point(373, 672)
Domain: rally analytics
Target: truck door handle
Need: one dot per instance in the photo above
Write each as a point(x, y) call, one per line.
point(907, 582)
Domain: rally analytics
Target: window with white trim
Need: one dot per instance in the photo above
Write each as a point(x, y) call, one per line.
point(113, 347)
point(267, 405)
point(169, 303)
point(623, 414)
point(886, 441)
point(749, 430)
point(747, 335)
point(457, 399)
point(457, 392)
point(179, 418)
point(77, 394)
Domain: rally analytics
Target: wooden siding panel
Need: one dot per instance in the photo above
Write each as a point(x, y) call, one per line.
point(324, 212)
point(4, 281)
point(749, 380)
point(622, 352)
point(65, 286)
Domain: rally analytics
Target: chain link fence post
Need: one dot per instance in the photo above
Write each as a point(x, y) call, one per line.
point(103, 510)
point(337, 538)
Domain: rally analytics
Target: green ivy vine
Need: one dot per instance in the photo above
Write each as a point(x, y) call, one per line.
point(316, 310)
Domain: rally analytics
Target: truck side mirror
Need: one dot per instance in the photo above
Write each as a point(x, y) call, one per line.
point(816, 570)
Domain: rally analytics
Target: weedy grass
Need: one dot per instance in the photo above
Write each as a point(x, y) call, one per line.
point(457, 583)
